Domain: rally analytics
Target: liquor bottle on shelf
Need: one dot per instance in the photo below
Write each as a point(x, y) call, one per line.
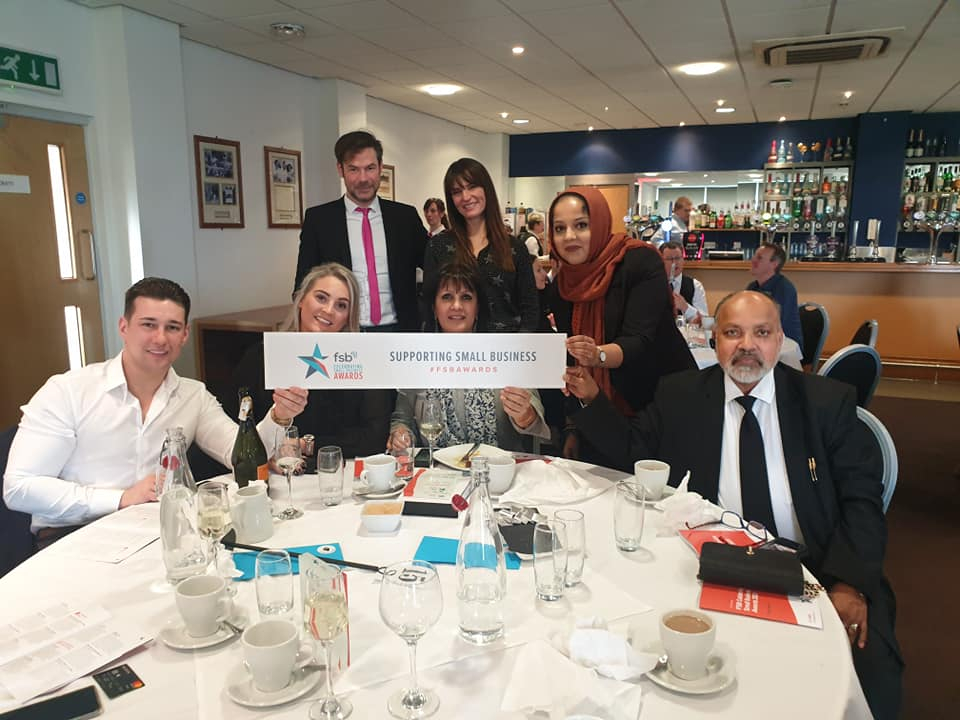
point(842, 205)
point(790, 153)
point(772, 157)
point(826, 187)
point(931, 148)
point(720, 220)
point(769, 188)
point(782, 153)
point(797, 207)
point(838, 149)
point(942, 151)
point(909, 148)
point(807, 207)
point(828, 151)
point(728, 221)
point(919, 147)
point(848, 149)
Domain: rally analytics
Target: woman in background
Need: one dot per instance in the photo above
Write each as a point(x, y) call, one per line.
point(478, 239)
point(435, 213)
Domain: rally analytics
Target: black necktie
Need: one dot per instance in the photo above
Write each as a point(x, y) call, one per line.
point(754, 485)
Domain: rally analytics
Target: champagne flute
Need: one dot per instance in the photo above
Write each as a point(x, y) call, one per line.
point(213, 521)
point(431, 423)
point(325, 617)
point(410, 604)
point(288, 458)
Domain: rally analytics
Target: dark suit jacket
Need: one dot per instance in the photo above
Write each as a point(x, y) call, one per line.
point(638, 316)
point(840, 514)
point(324, 239)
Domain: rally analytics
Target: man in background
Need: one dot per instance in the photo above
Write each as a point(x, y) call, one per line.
point(765, 267)
point(381, 241)
point(532, 235)
point(679, 221)
point(689, 297)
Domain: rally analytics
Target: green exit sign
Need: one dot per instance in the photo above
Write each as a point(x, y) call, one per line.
point(22, 68)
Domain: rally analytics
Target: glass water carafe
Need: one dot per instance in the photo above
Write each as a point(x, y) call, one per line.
point(173, 469)
point(184, 549)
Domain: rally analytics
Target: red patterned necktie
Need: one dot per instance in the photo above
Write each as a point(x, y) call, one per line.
point(372, 283)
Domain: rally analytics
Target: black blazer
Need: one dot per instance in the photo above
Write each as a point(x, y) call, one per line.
point(324, 239)
point(637, 316)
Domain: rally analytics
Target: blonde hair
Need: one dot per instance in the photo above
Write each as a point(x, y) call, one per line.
point(331, 269)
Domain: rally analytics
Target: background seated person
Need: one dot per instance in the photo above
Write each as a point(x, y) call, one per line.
point(689, 297)
point(765, 267)
point(89, 441)
point(494, 417)
point(356, 420)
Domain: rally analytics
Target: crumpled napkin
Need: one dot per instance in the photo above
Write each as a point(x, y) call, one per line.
point(554, 483)
point(686, 509)
point(590, 644)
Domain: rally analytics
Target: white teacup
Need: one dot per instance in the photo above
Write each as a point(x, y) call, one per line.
point(203, 603)
point(688, 637)
point(271, 652)
point(379, 472)
point(653, 475)
point(501, 469)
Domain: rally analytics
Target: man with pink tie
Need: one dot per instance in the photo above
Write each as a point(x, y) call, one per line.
point(381, 241)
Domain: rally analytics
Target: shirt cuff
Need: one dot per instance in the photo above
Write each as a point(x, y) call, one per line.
point(104, 501)
point(690, 313)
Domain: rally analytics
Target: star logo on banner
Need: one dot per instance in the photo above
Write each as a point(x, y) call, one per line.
point(313, 362)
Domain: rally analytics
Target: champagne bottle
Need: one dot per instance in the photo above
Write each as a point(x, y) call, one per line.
point(909, 152)
point(249, 457)
point(918, 149)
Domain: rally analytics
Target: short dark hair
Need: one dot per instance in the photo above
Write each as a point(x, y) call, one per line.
point(156, 289)
point(458, 275)
point(353, 142)
point(672, 245)
point(778, 253)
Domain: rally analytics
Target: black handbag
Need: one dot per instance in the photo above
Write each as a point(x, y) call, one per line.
point(747, 567)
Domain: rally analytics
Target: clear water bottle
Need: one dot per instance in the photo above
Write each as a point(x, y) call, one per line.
point(481, 568)
point(184, 549)
point(174, 470)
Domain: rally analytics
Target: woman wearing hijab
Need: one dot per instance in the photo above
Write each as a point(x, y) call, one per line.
point(612, 299)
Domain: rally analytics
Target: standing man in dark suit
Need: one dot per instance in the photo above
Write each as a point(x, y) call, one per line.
point(780, 447)
point(381, 241)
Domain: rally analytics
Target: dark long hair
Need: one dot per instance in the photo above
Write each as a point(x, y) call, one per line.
point(472, 172)
point(441, 208)
point(459, 276)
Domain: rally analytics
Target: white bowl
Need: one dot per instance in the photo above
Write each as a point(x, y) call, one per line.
point(381, 516)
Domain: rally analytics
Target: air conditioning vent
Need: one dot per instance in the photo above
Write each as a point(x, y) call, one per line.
point(842, 47)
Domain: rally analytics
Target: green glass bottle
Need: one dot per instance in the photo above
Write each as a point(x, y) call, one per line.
point(249, 456)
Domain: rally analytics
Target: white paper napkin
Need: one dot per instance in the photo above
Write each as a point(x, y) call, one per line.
point(686, 509)
point(553, 483)
point(590, 644)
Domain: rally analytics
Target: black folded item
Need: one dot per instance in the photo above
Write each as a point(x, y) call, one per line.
point(747, 567)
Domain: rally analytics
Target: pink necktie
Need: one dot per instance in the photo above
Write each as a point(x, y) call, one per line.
point(371, 267)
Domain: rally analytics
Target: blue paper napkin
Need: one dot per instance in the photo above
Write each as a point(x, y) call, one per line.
point(246, 562)
point(443, 551)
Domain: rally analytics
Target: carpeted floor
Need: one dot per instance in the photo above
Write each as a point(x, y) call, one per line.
point(923, 549)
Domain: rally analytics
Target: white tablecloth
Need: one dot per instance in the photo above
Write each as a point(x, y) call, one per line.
point(782, 671)
point(789, 355)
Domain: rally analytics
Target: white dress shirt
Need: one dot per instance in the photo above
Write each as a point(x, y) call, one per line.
point(677, 227)
point(83, 440)
point(699, 302)
point(358, 257)
point(765, 409)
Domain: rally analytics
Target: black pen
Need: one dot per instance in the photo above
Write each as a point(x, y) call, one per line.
point(812, 464)
point(335, 561)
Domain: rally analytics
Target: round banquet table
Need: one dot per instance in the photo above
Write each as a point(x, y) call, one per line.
point(782, 671)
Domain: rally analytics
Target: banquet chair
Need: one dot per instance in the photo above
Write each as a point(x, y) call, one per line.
point(815, 326)
point(16, 540)
point(888, 452)
point(866, 334)
point(857, 365)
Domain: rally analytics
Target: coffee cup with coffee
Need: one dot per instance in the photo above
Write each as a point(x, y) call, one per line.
point(203, 603)
point(271, 652)
point(653, 475)
point(688, 637)
point(379, 472)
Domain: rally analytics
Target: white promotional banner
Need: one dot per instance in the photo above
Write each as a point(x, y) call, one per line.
point(318, 361)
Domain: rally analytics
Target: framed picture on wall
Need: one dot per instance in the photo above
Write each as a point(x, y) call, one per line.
point(284, 187)
point(388, 187)
point(219, 183)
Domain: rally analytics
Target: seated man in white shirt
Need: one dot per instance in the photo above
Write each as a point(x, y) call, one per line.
point(532, 235)
point(90, 439)
point(689, 297)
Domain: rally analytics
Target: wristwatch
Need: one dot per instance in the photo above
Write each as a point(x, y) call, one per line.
point(603, 358)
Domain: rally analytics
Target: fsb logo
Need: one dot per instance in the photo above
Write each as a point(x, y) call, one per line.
point(345, 357)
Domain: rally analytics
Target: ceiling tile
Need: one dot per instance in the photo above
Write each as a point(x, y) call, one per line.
point(260, 24)
point(168, 10)
point(220, 34)
point(367, 15)
point(227, 9)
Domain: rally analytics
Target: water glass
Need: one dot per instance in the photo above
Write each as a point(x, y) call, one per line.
point(576, 543)
point(628, 506)
point(330, 474)
point(550, 559)
point(274, 583)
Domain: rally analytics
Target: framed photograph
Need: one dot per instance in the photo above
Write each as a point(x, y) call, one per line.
point(219, 182)
point(284, 188)
point(388, 183)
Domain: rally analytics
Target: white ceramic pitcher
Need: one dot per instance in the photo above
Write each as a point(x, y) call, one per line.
point(250, 511)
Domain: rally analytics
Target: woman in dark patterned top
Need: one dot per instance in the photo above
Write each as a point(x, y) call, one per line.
point(477, 238)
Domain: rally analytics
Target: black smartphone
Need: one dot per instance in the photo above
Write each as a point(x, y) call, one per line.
point(76, 705)
point(422, 458)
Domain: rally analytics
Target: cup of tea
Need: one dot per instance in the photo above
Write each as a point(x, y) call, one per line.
point(271, 652)
point(379, 472)
point(203, 604)
point(688, 637)
point(653, 475)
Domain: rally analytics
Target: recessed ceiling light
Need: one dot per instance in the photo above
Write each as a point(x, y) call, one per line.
point(720, 102)
point(504, 115)
point(727, 109)
point(781, 83)
point(520, 121)
point(848, 94)
point(701, 68)
point(606, 108)
point(518, 49)
point(706, 174)
point(589, 128)
point(287, 30)
point(651, 174)
point(682, 123)
point(441, 89)
point(782, 118)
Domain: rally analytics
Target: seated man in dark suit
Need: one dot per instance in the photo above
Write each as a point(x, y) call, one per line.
point(811, 477)
point(381, 241)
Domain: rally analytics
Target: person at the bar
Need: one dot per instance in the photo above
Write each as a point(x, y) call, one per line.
point(689, 297)
point(532, 234)
point(766, 268)
point(678, 221)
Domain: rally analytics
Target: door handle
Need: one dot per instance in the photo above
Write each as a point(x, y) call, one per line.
point(88, 256)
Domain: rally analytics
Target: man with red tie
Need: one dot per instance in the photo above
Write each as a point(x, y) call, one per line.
point(381, 241)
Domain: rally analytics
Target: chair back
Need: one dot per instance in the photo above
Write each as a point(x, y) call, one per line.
point(888, 452)
point(866, 334)
point(815, 326)
point(16, 540)
point(857, 365)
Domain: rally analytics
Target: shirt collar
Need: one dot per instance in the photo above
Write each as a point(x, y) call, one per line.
point(765, 390)
point(114, 377)
point(352, 206)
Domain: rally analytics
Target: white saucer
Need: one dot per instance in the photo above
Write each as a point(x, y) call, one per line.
point(241, 690)
point(174, 634)
point(721, 673)
point(364, 493)
point(667, 492)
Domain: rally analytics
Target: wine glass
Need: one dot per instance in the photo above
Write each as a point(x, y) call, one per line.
point(325, 617)
point(431, 423)
point(411, 604)
point(213, 521)
point(288, 458)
